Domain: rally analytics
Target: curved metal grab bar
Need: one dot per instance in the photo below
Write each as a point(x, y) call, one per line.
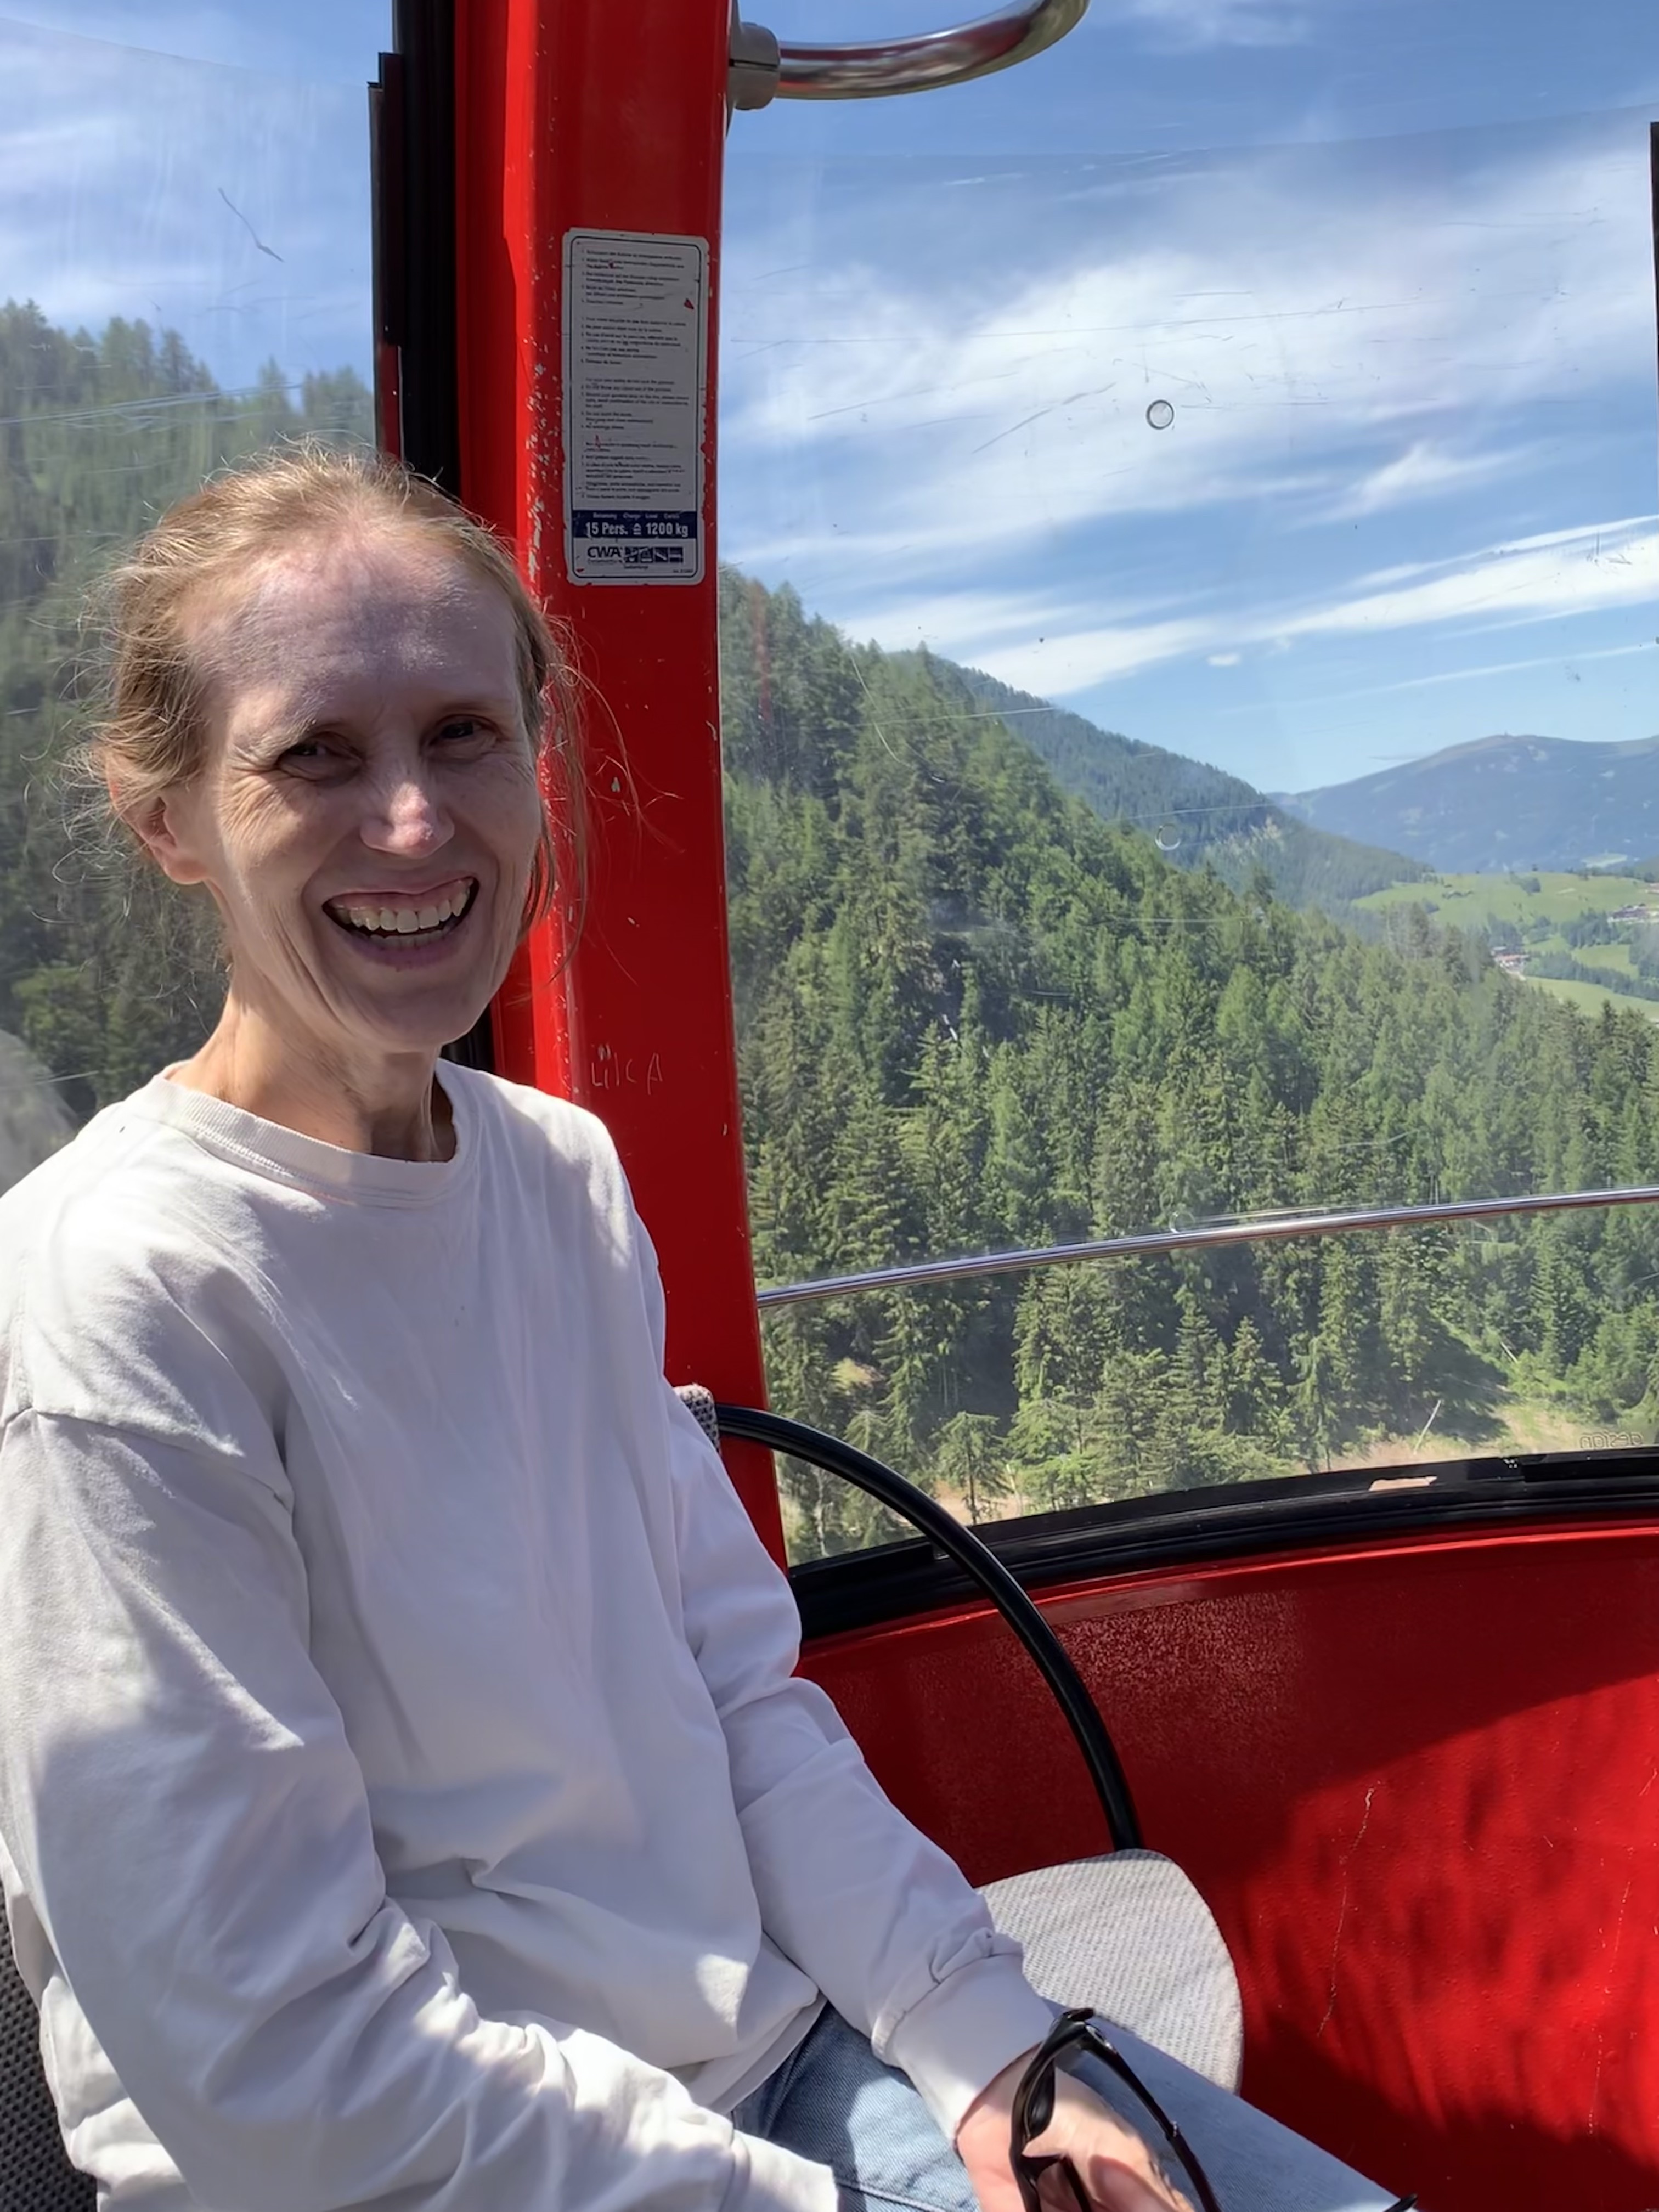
point(1265, 1229)
point(746, 1424)
point(877, 69)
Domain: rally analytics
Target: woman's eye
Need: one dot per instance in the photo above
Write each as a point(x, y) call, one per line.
point(465, 729)
point(312, 757)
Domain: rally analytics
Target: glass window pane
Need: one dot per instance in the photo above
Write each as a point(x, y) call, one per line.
point(187, 279)
point(1082, 1384)
point(1190, 667)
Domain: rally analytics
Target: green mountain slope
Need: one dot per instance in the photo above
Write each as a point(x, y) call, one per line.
point(972, 1014)
point(1195, 813)
point(1503, 802)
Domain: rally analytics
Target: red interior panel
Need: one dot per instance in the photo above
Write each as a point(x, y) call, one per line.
point(1418, 1783)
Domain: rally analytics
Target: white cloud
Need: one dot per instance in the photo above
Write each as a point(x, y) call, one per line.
point(111, 182)
point(987, 619)
point(1218, 22)
point(1557, 574)
point(316, 39)
point(1486, 671)
point(1058, 651)
point(1066, 662)
point(1427, 468)
point(1337, 336)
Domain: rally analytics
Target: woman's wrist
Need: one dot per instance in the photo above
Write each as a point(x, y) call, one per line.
point(995, 2101)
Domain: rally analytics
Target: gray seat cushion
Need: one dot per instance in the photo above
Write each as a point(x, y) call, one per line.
point(1130, 1936)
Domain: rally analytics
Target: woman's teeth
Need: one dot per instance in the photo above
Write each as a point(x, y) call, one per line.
point(405, 920)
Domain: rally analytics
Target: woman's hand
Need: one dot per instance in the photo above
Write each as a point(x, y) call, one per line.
point(1112, 2162)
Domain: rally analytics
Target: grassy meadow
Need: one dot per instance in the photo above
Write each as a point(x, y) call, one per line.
point(1532, 911)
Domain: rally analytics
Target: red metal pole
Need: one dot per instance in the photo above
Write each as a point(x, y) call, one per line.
point(609, 116)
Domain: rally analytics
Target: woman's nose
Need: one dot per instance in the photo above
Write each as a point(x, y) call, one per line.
point(407, 817)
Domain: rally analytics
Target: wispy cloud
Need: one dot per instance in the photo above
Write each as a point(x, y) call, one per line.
point(1552, 576)
point(1485, 670)
point(142, 186)
point(1336, 340)
point(1217, 23)
point(331, 39)
point(1556, 574)
point(1428, 468)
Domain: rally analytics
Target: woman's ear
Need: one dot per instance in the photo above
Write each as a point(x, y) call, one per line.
point(162, 825)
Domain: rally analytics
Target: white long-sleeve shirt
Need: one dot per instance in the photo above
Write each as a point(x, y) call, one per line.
point(406, 1798)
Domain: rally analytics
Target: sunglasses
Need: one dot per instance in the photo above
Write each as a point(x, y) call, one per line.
point(1079, 2033)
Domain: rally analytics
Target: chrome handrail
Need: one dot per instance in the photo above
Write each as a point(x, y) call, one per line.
point(877, 69)
point(1271, 1228)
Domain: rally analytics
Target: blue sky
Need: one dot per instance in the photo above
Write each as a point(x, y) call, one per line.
point(1386, 263)
point(1389, 264)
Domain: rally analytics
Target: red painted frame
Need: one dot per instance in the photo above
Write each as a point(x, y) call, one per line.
point(612, 114)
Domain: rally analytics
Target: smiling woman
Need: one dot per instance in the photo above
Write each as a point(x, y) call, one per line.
point(479, 1842)
point(329, 696)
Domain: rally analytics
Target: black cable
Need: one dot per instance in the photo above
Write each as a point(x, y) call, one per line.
point(744, 1424)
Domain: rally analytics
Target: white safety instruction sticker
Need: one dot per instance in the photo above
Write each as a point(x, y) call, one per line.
point(636, 381)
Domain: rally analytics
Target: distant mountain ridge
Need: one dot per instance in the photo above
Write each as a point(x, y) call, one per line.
point(1195, 813)
point(1504, 802)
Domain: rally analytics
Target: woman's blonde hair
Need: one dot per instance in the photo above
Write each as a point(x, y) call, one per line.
point(151, 735)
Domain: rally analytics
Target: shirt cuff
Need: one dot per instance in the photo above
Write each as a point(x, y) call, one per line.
point(769, 2178)
point(959, 2037)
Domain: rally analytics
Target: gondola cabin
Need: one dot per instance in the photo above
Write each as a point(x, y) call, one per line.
point(1237, 1214)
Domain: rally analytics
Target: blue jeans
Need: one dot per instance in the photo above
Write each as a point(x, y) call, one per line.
point(833, 2101)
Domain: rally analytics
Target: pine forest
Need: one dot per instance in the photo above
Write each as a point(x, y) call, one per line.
point(975, 1011)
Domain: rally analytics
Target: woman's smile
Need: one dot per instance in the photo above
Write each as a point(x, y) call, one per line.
point(395, 921)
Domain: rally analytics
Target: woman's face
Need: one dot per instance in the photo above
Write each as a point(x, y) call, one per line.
point(368, 817)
